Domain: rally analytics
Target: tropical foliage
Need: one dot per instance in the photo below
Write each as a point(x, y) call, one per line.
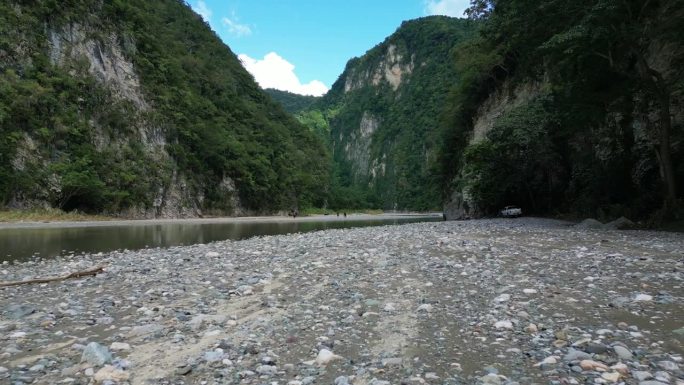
point(601, 137)
point(66, 140)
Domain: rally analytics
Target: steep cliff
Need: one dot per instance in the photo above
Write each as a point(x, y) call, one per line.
point(579, 117)
point(137, 108)
point(382, 112)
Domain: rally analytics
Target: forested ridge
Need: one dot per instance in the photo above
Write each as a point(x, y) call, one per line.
point(137, 108)
point(77, 131)
point(583, 108)
point(381, 114)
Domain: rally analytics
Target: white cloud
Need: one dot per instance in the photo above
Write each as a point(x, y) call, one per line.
point(201, 9)
point(236, 28)
point(275, 72)
point(453, 8)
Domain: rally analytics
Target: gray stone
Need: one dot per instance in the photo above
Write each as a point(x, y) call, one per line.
point(96, 354)
point(394, 361)
point(652, 383)
point(143, 330)
point(375, 381)
point(622, 352)
point(18, 311)
point(213, 356)
point(576, 355)
point(668, 365)
point(342, 380)
point(621, 223)
point(183, 370)
point(642, 375)
point(595, 348)
point(267, 369)
point(590, 223)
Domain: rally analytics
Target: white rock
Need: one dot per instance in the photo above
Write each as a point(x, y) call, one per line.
point(548, 360)
point(612, 376)
point(503, 298)
point(643, 298)
point(530, 291)
point(325, 356)
point(425, 307)
point(389, 307)
point(504, 324)
point(119, 346)
point(109, 372)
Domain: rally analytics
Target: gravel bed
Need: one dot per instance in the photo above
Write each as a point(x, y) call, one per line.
point(520, 301)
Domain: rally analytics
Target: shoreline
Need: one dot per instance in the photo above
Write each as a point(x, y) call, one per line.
point(218, 220)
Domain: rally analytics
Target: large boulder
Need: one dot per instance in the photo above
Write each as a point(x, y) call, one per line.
point(621, 223)
point(590, 223)
point(96, 354)
point(457, 207)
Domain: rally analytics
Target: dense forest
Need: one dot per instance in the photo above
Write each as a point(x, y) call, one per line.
point(563, 107)
point(109, 106)
point(293, 103)
point(381, 115)
point(582, 109)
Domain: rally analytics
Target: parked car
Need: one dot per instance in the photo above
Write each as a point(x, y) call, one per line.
point(511, 212)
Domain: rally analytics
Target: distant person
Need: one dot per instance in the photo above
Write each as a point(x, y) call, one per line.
point(345, 214)
point(338, 213)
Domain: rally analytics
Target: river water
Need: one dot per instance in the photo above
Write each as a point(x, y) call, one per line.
point(22, 241)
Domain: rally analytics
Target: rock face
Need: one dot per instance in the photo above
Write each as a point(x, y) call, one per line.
point(383, 111)
point(115, 72)
point(511, 98)
point(133, 121)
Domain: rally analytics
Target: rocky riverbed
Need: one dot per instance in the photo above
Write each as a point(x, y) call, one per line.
point(523, 301)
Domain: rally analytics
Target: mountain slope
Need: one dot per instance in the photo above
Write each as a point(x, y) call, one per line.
point(137, 108)
point(292, 103)
point(581, 116)
point(382, 112)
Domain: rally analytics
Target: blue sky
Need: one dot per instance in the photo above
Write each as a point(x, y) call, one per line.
point(302, 46)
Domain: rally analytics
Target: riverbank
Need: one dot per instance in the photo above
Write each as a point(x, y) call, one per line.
point(93, 221)
point(525, 301)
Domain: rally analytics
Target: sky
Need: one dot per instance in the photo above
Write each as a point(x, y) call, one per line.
point(302, 46)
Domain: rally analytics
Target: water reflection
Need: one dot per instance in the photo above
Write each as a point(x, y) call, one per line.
point(22, 243)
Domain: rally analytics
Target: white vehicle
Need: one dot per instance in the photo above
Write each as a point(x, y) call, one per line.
point(511, 212)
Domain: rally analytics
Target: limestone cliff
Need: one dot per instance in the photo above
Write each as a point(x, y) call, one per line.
point(383, 111)
point(137, 109)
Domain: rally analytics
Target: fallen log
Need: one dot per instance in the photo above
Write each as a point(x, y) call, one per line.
point(76, 274)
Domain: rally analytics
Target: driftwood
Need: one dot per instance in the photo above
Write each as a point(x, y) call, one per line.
point(77, 274)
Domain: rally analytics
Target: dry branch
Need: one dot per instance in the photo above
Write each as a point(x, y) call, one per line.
point(77, 274)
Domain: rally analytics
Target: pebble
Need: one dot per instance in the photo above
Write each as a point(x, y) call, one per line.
point(622, 352)
point(116, 346)
point(96, 354)
point(325, 357)
point(505, 324)
point(439, 303)
point(109, 372)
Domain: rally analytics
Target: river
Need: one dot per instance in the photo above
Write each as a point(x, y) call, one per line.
point(22, 241)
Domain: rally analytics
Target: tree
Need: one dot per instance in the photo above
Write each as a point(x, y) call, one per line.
point(579, 43)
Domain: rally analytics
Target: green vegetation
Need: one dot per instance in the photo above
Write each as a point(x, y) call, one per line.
point(600, 137)
point(578, 104)
point(390, 167)
point(67, 139)
point(292, 103)
point(47, 215)
point(317, 211)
